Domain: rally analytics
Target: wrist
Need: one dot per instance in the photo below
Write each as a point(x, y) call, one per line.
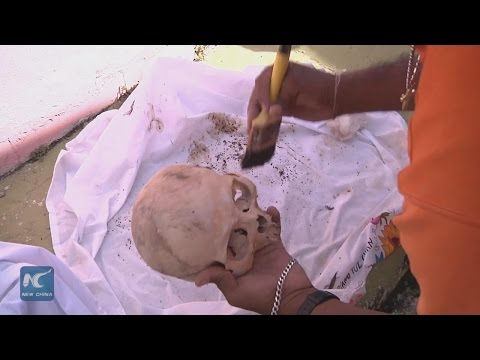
point(292, 284)
point(376, 88)
point(350, 97)
point(299, 294)
point(296, 295)
point(293, 301)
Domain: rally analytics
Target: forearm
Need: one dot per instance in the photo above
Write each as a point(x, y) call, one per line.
point(377, 88)
point(336, 307)
point(330, 307)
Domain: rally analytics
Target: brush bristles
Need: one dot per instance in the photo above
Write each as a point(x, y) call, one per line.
point(258, 159)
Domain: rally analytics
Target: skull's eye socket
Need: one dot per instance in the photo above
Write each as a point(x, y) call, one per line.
point(241, 196)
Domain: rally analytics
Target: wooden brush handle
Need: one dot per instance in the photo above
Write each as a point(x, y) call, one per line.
point(279, 70)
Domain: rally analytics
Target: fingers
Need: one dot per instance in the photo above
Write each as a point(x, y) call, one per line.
point(275, 113)
point(275, 214)
point(260, 98)
point(262, 86)
point(224, 279)
point(252, 111)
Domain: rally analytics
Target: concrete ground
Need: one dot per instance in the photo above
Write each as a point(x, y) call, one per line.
point(24, 217)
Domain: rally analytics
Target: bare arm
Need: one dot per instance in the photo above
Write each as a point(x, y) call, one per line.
point(377, 88)
point(311, 94)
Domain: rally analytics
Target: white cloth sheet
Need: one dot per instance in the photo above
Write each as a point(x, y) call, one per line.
point(327, 191)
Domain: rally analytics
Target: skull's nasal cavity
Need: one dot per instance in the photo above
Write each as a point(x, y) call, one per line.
point(262, 224)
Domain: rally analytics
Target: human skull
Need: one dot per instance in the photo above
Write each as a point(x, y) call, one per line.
point(187, 218)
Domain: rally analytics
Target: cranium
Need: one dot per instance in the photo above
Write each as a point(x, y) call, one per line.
point(187, 218)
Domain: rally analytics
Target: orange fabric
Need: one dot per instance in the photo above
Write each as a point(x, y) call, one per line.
point(440, 225)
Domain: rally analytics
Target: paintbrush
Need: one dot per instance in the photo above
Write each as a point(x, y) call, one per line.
point(264, 133)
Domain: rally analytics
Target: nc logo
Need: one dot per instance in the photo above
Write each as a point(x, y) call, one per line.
point(36, 283)
point(33, 280)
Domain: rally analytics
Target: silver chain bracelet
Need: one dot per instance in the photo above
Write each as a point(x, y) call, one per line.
point(281, 280)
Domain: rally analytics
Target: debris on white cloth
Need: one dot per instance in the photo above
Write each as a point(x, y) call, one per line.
point(345, 127)
point(336, 198)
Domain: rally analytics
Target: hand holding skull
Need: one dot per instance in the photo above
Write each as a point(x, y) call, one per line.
point(255, 291)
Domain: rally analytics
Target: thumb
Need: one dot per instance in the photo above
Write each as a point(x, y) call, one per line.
point(218, 275)
point(275, 214)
